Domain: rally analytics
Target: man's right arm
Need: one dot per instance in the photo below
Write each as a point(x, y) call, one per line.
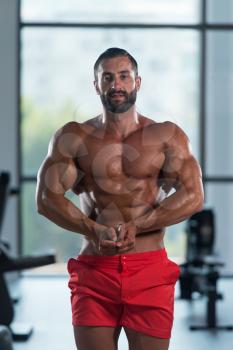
point(56, 176)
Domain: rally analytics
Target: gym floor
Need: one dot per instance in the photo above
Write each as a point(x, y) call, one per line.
point(45, 305)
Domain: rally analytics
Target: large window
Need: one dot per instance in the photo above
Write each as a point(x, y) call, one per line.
point(59, 45)
point(108, 11)
point(219, 123)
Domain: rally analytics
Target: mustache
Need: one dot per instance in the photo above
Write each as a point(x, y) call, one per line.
point(113, 92)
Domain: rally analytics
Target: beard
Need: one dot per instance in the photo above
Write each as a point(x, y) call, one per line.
point(119, 107)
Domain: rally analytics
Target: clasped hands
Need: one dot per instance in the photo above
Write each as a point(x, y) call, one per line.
point(115, 240)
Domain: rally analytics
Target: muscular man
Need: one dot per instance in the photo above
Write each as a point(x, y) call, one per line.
point(134, 177)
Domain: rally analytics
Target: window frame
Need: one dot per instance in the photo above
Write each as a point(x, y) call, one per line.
point(202, 27)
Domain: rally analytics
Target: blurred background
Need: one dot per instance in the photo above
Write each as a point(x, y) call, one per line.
point(184, 50)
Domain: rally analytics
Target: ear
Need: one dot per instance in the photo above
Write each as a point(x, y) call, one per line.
point(138, 81)
point(96, 87)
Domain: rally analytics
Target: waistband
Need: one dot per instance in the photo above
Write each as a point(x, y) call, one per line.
point(106, 260)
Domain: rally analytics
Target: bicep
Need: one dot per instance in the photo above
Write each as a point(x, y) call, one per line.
point(56, 176)
point(186, 179)
point(58, 173)
point(189, 176)
point(180, 166)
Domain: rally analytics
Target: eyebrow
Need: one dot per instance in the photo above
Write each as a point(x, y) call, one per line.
point(122, 71)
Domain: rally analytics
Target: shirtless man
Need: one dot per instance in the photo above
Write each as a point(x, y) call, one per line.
point(134, 177)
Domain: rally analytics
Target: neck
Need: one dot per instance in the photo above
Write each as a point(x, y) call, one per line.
point(120, 123)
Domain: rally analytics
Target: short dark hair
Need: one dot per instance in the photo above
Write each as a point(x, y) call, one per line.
point(115, 52)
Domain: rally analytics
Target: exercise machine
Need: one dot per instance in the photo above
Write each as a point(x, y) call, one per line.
point(5, 338)
point(201, 271)
point(9, 263)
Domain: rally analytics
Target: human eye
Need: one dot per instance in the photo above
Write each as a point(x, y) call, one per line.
point(124, 76)
point(107, 78)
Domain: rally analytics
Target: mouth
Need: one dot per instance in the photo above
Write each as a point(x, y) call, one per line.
point(117, 95)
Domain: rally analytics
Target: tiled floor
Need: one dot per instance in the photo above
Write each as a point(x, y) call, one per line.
point(45, 304)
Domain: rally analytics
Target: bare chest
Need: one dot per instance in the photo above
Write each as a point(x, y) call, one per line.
point(121, 159)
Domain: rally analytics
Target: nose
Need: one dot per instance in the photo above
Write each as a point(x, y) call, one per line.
point(116, 84)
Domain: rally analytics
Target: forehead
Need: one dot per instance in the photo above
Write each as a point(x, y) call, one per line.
point(114, 65)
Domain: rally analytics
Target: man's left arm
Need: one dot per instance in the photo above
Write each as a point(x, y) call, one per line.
point(182, 172)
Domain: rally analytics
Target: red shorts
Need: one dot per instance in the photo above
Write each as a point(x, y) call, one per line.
point(131, 290)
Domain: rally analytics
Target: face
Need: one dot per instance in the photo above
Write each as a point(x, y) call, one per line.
point(117, 84)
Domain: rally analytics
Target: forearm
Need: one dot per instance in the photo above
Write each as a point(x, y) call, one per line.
point(172, 210)
point(65, 214)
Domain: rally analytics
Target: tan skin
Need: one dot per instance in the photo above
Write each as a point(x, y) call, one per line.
point(123, 167)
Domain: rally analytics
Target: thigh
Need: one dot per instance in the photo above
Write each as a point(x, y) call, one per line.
point(140, 341)
point(96, 338)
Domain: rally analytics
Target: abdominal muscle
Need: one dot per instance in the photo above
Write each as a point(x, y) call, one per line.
point(150, 242)
point(144, 242)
